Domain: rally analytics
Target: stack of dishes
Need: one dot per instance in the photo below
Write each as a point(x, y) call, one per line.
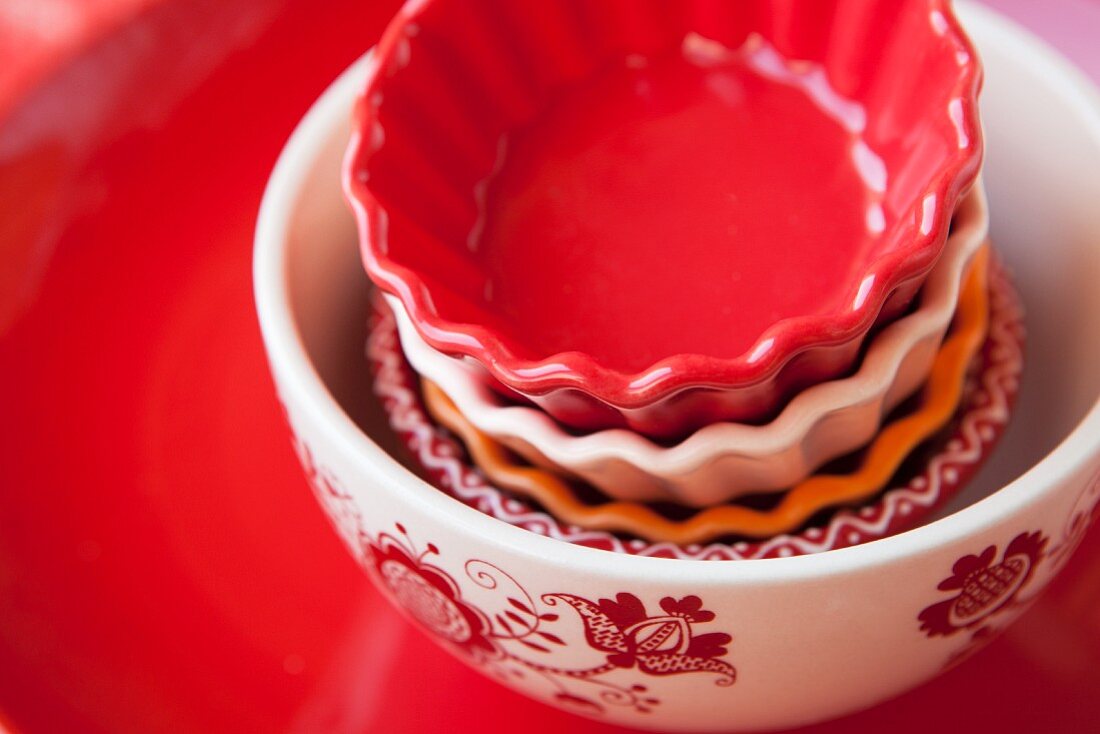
point(685, 273)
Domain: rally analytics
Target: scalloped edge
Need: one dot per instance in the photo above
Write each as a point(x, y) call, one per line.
point(775, 348)
point(627, 465)
point(898, 509)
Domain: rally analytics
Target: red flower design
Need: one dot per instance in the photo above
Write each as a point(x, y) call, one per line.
point(983, 587)
point(430, 596)
point(690, 608)
point(659, 645)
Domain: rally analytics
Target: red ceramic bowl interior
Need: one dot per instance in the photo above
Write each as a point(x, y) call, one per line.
point(633, 197)
point(929, 478)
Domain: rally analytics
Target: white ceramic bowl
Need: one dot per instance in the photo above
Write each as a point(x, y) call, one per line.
point(724, 461)
point(814, 636)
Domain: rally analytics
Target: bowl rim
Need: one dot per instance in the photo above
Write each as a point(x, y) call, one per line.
point(303, 387)
point(769, 353)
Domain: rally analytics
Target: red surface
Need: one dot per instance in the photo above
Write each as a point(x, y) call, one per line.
point(606, 196)
point(630, 200)
point(162, 564)
point(37, 36)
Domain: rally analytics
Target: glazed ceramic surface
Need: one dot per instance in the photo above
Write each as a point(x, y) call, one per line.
point(541, 503)
point(162, 568)
point(702, 646)
point(726, 460)
point(762, 190)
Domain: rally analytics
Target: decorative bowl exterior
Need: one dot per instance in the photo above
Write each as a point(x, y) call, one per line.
point(691, 645)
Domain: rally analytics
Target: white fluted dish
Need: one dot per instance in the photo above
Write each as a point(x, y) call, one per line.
point(724, 461)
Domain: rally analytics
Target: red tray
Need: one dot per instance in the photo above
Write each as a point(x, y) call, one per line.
point(163, 566)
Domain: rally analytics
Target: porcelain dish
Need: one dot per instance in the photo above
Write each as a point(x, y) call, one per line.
point(892, 613)
point(675, 321)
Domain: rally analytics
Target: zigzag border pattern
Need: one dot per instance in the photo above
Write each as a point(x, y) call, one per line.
point(989, 403)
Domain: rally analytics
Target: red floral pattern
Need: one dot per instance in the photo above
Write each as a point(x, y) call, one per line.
point(1082, 515)
point(983, 587)
point(515, 641)
point(657, 645)
point(429, 595)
